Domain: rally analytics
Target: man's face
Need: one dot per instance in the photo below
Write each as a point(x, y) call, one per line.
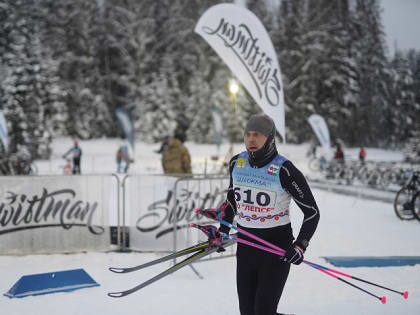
point(254, 140)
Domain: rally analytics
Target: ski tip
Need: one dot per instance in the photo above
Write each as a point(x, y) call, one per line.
point(115, 294)
point(383, 300)
point(196, 210)
point(405, 295)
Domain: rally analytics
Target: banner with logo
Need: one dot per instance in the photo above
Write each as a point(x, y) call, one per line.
point(3, 131)
point(160, 205)
point(54, 214)
point(320, 128)
point(242, 42)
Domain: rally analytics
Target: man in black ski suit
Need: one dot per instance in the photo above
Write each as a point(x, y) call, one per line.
point(76, 151)
point(262, 184)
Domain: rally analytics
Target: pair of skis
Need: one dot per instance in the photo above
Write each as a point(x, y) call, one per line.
point(198, 251)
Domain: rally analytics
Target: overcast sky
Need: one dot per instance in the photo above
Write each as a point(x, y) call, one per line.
point(401, 19)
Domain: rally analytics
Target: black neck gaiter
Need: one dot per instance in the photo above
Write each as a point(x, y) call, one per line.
point(264, 155)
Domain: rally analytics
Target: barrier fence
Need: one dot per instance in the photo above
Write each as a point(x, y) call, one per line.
point(54, 214)
point(161, 208)
point(57, 214)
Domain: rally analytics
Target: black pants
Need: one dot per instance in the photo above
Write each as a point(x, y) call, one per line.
point(261, 276)
point(76, 165)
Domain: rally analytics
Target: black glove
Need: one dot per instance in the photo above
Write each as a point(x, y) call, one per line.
point(223, 229)
point(294, 255)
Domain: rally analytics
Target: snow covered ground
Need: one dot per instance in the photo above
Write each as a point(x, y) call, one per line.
point(349, 226)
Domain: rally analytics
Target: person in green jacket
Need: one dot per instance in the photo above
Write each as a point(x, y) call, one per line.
point(175, 157)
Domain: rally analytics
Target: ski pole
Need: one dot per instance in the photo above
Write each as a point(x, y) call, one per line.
point(404, 294)
point(206, 230)
point(218, 217)
point(239, 240)
point(211, 230)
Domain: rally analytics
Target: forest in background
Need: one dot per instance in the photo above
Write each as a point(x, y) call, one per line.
point(67, 65)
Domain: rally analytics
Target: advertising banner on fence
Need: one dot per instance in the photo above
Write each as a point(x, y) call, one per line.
point(54, 214)
point(240, 39)
point(160, 205)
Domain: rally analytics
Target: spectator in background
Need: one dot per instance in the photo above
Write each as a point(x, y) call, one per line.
point(312, 150)
point(323, 162)
point(123, 156)
point(175, 156)
point(339, 154)
point(164, 143)
point(362, 155)
point(119, 159)
point(77, 156)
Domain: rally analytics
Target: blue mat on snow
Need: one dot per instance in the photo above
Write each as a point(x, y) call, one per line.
point(51, 282)
point(363, 261)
